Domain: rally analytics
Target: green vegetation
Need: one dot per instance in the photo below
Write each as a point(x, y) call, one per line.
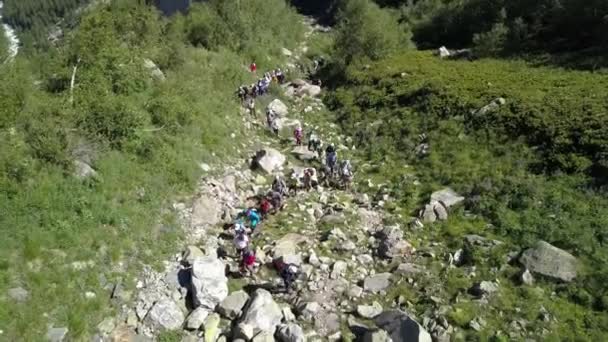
point(3, 45)
point(144, 137)
point(533, 169)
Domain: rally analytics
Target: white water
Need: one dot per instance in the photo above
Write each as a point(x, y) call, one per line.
point(13, 41)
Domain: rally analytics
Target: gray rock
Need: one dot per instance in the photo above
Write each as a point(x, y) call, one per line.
point(290, 333)
point(392, 244)
point(491, 107)
point(243, 331)
point(286, 52)
point(338, 269)
point(365, 259)
point(232, 305)
point(165, 315)
point(346, 246)
point(309, 310)
point(401, 328)
point(550, 261)
point(154, 70)
point(483, 288)
point(376, 336)
point(288, 315)
point(327, 324)
point(376, 283)
point(83, 170)
point(212, 327)
point(269, 160)
point(263, 336)
point(302, 153)
point(427, 214)
point(286, 248)
point(192, 253)
point(106, 326)
point(278, 107)
point(197, 318)
point(441, 212)
point(447, 197)
point(408, 269)
point(355, 292)
point(209, 282)
point(56, 334)
point(308, 90)
point(262, 312)
point(369, 311)
point(206, 211)
point(18, 294)
point(527, 278)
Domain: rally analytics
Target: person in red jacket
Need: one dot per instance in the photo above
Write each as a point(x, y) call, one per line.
point(253, 67)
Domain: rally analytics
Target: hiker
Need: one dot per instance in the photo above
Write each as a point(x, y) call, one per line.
point(314, 143)
point(254, 90)
point(253, 217)
point(253, 67)
point(275, 126)
point(331, 158)
point(346, 174)
point(294, 183)
point(276, 199)
point(270, 116)
point(247, 264)
point(279, 185)
point(289, 274)
point(242, 93)
point(251, 106)
point(280, 76)
point(239, 227)
point(309, 174)
point(241, 242)
point(265, 206)
point(297, 133)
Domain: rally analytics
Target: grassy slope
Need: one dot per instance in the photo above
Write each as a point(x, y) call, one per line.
point(385, 107)
point(122, 218)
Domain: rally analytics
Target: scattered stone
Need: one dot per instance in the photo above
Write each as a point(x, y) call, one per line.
point(376, 336)
point(401, 328)
point(206, 211)
point(365, 259)
point(550, 261)
point(286, 52)
point(18, 294)
point(392, 244)
point(527, 278)
point(232, 305)
point(243, 331)
point(197, 318)
point(56, 334)
point(304, 154)
point(338, 269)
point(154, 70)
point(290, 333)
point(269, 160)
point(369, 311)
point(447, 197)
point(106, 326)
point(278, 107)
point(309, 310)
point(83, 170)
point(90, 295)
point(377, 282)
point(483, 288)
point(205, 167)
point(355, 291)
point(212, 327)
point(288, 315)
point(408, 269)
point(327, 324)
point(209, 282)
point(165, 315)
point(262, 313)
point(491, 107)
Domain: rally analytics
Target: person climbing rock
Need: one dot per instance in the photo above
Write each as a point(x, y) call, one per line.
point(247, 264)
point(346, 174)
point(289, 274)
point(279, 185)
point(331, 159)
point(241, 242)
point(309, 174)
point(297, 133)
point(265, 207)
point(314, 143)
point(252, 216)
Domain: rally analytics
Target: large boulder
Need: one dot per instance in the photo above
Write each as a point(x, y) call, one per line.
point(154, 70)
point(197, 318)
point(206, 210)
point(165, 315)
point(269, 160)
point(290, 333)
point(286, 248)
point(447, 197)
point(278, 107)
point(232, 305)
point(303, 153)
point(308, 90)
point(550, 261)
point(262, 313)
point(377, 282)
point(83, 170)
point(392, 243)
point(209, 282)
point(401, 328)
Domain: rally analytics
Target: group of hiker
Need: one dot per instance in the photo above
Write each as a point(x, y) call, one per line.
point(247, 223)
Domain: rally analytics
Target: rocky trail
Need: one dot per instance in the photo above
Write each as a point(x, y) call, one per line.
point(356, 267)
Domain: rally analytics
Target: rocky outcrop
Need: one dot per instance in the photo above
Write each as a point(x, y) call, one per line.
point(83, 170)
point(165, 315)
point(209, 282)
point(439, 205)
point(232, 305)
point(401, 328)
point(154, 70)
point(278, 108)
point(206, 211)
point(550, 261)
point(269, 160)
point(262, 313)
